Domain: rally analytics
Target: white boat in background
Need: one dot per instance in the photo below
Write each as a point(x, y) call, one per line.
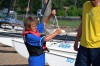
point(7, 35)
point(20, 47)
point(19, 28)
point(6, 41)
point(10, 27)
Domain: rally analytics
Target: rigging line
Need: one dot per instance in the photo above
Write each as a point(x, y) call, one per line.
point(27, 9)
point(56, 20)
point(1, 2)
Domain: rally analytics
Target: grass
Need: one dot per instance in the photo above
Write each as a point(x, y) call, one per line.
point(65, 23)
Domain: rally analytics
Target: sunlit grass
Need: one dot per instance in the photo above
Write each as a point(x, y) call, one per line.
point(65, 23)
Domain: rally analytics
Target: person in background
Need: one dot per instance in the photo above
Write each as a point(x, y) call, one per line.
point(89, 35)
point(34, 41)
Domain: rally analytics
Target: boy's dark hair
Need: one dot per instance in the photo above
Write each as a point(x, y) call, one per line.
point(28, 21)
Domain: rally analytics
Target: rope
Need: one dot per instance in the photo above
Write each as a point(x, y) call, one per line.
point(56, 21)
point(27, 10)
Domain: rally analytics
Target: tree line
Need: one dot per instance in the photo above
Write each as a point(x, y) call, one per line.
point(64, 7)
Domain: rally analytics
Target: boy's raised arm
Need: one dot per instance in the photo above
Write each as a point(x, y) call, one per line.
point(53, 13)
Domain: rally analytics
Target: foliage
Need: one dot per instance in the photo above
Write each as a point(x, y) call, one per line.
point(74, 11)
point(33, 7)
point(80, 2)
point(75, 7)
point(61, 12)
point(58, 4)
point(21, 6)
point(21, 12)
point(4, 4)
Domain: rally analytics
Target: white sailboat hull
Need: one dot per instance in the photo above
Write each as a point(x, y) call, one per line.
point(20, 47)
point(6, 38)
point(58, 60)
point(61, 54)
point(6, 41)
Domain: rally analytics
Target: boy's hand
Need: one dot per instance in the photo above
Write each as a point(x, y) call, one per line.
point(53, 13)
point(58, 30)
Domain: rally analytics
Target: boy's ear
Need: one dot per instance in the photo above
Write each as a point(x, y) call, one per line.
point(27, 27)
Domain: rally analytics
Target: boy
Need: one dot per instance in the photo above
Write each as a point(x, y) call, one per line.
point(33, 40)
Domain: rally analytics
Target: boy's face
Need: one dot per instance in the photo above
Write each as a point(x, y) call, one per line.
point(94, 2)
point(33, 26)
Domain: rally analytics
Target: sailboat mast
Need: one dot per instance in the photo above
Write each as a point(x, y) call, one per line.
point(45, 4)
point(10, 7)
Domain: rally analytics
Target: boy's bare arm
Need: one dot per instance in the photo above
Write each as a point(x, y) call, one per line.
point(48, 17)
point(49, 37)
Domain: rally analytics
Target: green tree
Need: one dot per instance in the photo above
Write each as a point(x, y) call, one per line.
point(58, 4)
point(21, 6)
point(4, 4)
